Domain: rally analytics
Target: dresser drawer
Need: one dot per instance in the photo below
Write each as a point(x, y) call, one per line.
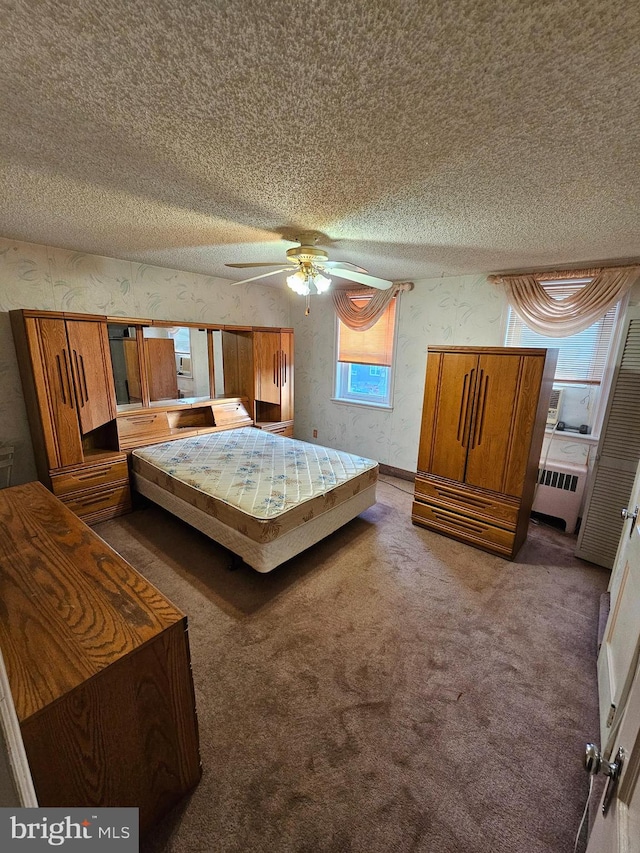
point(98, 504)
point(89, 477)
point(469, 529)
point(462, 499)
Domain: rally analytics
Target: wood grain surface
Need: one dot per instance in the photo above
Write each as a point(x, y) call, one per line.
point(98, 664)
point(70, 605)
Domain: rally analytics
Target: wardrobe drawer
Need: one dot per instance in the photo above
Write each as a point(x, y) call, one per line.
point(460, 498)
point(98, 504)
point(468, 529)
point(86, 478)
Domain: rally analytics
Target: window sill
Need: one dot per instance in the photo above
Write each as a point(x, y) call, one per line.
point(569, 435)
point(362, 404)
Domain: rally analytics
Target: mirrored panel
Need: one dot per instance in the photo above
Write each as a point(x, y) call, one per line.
point(123, 345)
point(177, 364)
point(218, 364)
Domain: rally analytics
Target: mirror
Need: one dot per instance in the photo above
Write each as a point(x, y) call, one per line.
point(177, 364)
point(218, 371)
point(123, 346)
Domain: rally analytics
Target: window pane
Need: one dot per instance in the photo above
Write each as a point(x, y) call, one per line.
point(582, 357)
point(363, 383)
point(363, 364)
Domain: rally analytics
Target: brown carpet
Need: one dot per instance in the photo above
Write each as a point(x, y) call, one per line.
point(389, 690)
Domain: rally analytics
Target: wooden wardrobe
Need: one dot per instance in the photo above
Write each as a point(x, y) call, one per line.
point(483, 422)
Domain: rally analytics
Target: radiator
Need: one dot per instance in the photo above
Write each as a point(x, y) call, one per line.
point(559, 492)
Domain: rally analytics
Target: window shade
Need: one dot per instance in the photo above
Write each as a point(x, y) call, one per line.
point(375, 345)
point(582, 357)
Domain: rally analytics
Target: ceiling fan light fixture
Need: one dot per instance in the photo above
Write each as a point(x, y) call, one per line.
point(308, 280)
point(321, 282)
point(298, 283)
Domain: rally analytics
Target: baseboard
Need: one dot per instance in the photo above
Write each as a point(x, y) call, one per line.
point(397, 472)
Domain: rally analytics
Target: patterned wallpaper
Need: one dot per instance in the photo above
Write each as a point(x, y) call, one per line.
point(463, 310)
point(460, 310)
point(46, 278)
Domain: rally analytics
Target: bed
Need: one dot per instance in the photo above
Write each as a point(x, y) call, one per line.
point(263, 496)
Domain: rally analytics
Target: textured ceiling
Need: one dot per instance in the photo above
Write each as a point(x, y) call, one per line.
point(419, 138)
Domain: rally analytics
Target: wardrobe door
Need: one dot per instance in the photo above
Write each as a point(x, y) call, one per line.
point(93, 377)
point(57, 400)
point(491, 433)
point(451, 402)
point(268, 363)
point(286, 374)
point(162, 370)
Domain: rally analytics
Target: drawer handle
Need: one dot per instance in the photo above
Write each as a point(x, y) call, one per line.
point(472, 500)
point(93, 475)
point(459, 522)
point(97, 500)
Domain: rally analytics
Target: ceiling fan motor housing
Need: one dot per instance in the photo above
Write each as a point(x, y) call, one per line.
point(307, 254)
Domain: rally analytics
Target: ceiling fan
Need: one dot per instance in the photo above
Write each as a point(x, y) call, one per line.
point(307, 265)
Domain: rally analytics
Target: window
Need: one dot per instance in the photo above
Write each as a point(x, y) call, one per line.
point(583, 359)
point(364, 363)
point(182, 345)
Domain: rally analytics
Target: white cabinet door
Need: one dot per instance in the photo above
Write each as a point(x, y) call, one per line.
point(621, 643)
point(618, 831)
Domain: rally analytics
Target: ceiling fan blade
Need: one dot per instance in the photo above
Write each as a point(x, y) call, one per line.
point(361, 278)
point(260, 264)
point(264, 275)
point(331, 265)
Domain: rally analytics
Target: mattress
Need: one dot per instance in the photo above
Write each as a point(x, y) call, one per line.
point(259, 486)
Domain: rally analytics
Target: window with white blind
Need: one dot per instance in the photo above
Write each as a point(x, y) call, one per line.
point(583, 359)
point(365, 360)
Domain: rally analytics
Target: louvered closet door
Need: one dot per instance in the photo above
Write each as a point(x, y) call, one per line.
point(617, 458)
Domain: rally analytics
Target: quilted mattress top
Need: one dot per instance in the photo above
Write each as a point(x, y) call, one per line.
point(259, 473)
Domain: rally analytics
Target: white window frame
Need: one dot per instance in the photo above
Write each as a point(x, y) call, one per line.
point(343, 367)
point(607, 377)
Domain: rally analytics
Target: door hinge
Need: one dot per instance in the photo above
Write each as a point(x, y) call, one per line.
point(611, 715)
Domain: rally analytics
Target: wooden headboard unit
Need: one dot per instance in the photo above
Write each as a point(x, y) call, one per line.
point(159, 423)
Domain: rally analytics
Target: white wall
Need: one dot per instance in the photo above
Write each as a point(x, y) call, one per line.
point(46, 278)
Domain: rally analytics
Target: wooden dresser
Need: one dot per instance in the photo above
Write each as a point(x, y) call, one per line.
point(483, 423)
point(98, 663)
